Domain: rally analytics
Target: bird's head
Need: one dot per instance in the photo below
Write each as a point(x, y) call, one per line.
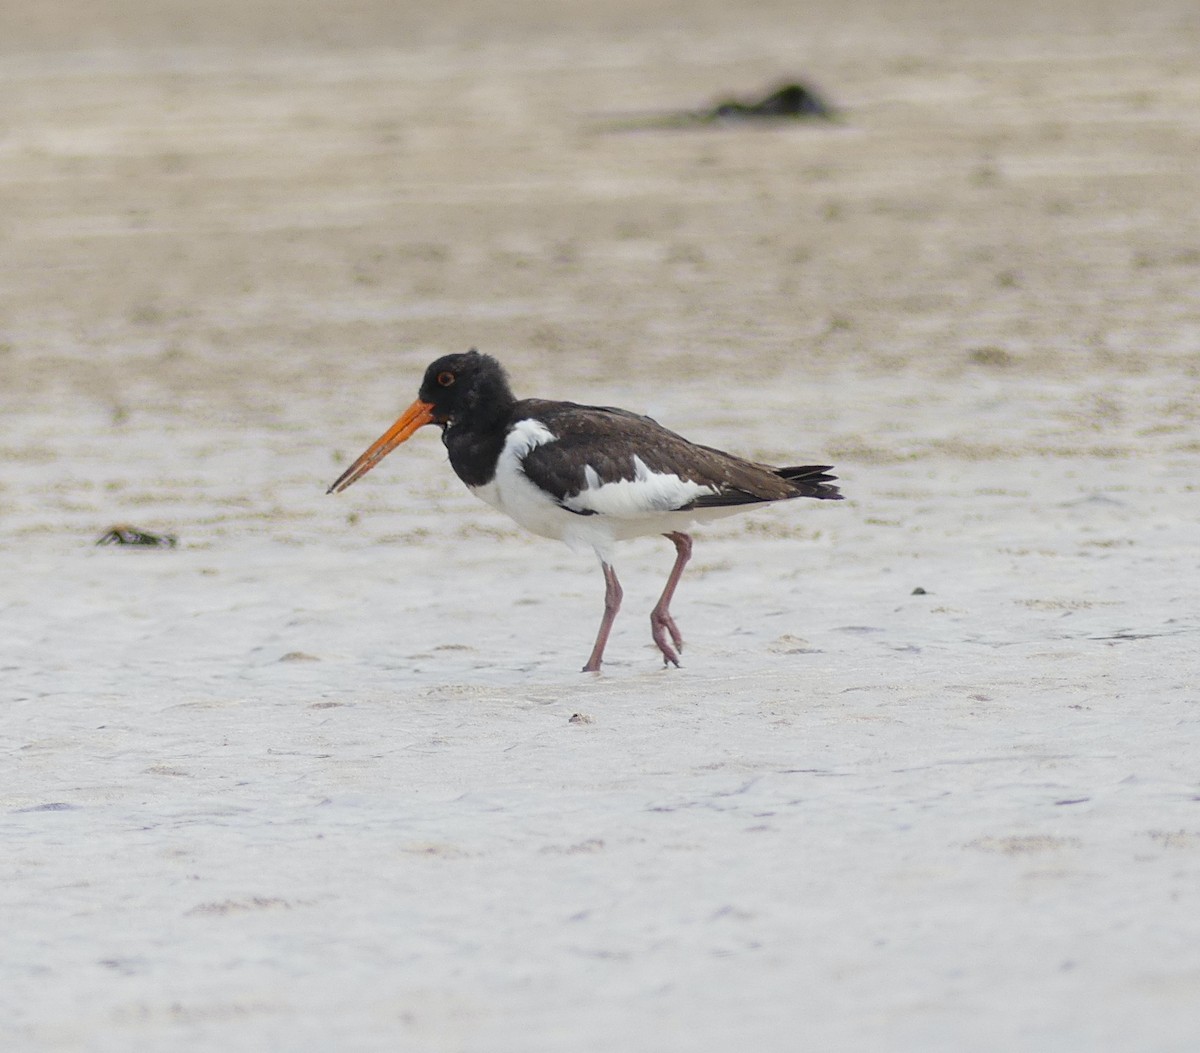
point(459, 388)
point(464, 387)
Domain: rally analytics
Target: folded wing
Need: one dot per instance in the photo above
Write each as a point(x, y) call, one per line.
point(607, 461)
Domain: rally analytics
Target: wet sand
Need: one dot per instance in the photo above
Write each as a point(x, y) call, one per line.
point(309, 780)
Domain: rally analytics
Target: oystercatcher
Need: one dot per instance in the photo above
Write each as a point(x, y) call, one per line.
point(587, 475)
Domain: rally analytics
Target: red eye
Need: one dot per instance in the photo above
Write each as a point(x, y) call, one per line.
point(445, 379)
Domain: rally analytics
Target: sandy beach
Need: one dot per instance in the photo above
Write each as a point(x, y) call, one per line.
point(325, 775)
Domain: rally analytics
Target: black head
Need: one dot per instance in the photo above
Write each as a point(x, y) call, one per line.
point(465, 388)
point(458, 390)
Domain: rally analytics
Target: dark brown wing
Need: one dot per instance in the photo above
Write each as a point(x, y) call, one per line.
point(607, 440)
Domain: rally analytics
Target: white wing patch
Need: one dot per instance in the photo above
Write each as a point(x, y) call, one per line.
point(646, 494)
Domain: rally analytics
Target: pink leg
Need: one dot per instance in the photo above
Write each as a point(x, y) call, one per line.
point(612, 604)
point(661, 622)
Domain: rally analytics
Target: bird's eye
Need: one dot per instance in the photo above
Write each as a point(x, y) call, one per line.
point(445, 379)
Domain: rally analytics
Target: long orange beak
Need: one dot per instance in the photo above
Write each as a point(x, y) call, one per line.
point(416, 416)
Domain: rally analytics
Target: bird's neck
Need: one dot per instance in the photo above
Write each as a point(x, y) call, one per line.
point(475, 441)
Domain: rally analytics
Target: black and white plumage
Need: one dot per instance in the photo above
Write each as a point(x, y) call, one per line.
point(589, 476)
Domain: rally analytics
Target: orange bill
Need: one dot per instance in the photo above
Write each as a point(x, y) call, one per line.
point(417, 415)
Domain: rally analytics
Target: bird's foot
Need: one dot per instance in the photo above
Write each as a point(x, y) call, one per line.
point(663, 625)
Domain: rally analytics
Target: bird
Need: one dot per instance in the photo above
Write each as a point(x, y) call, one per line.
point(589, 476)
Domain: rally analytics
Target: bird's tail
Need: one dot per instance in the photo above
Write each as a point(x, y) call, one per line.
point(812, 480)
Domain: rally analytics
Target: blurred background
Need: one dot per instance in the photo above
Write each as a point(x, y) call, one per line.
point(313, 767)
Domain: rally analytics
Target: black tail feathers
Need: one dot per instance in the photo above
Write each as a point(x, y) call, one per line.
point(812, 480)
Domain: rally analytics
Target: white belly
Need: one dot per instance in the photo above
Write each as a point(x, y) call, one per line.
point(528, 506)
